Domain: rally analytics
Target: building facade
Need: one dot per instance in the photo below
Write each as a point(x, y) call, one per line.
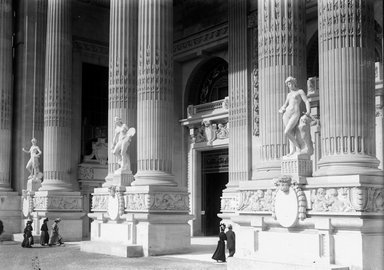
point(201, 82)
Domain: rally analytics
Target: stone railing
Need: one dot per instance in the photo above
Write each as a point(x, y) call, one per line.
point(207, 107)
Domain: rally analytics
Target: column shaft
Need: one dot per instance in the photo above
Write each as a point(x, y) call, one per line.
point(346, 56)
point(155, 93)
point(281, 54)
point(57, 106)
point(6, 92)
point(122, 73)
point(239, 96)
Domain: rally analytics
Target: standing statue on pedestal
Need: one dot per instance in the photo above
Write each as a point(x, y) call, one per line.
point(33, 163)
point(297, 124)
point(120, 148)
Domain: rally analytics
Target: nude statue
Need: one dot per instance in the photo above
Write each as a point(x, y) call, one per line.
point(121, 148)
point(116, 136)
point(33, 163)
point(294, 121)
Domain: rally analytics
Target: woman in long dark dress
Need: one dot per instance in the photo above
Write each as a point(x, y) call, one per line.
point(219, 254)
point(28, 238)
point(44, 235)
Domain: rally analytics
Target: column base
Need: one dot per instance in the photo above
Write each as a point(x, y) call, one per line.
point(55, 185)
point(10, 214)
point(298, 168)
point(348, 165)
point(153, 178)
point(267, 170)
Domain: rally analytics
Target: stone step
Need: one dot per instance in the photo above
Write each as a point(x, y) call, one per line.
point(111, 248)
point(234, 263)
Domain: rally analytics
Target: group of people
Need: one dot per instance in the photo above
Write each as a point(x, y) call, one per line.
point(228, 236)
point(44, 236)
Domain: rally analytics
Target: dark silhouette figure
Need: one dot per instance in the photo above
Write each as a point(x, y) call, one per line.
point(28, 238)
point(219, 254)
point(231, 241)
point(44, 235)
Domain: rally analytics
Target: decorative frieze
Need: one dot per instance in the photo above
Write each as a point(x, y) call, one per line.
point(260, 200)
point(57, 203)
point(85, 172)
point(162, 201)
point(99, 202)
point(348, 199)
point(90, 47)
point(229, 204)
point(209, 132)
point(212, 35)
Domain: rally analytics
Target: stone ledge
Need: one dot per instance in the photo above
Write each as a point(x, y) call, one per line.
point(247, 263)
point(111, 248)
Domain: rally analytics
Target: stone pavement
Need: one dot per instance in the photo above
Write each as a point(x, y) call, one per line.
point(14, 257)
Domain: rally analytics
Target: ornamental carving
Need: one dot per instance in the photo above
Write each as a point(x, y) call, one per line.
point(229, 204)
point(99, 152)
point(256, 200)
point(157, 201)
point(341, 23)
point(256, 108)
point(86, 172)
point(209, 132)
point(136, 201)
point(347, 199)
point(57, 203)
point(169, 201)
point(99, 202)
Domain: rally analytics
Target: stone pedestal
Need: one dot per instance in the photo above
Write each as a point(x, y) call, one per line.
point(298, 168)
point(60, 204)
point(139, 221)
point(33, 184)
point(122, 178)
point(10, 214)
point(343, 226)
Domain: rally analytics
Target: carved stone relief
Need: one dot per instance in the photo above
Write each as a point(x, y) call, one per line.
point(209, 132)
point(157, 201)
point(99, 202)
point(58, 203)
point(348, 199)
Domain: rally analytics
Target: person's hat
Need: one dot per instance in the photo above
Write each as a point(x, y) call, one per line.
point(57, 219)
point(29, 221)
point(46, 219)
point(229, 226)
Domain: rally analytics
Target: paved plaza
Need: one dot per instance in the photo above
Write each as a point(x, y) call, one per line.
point(14, 257)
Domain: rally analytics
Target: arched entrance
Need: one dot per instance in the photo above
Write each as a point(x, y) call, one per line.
point(207, 151)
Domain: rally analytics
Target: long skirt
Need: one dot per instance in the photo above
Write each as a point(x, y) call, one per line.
point(219, 254)
point(28, 241)
point(55, 238)
point(44, 238)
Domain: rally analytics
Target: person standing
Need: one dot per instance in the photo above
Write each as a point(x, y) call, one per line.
point(56, 237)
point(44, 235)
point(219, 254)
point(28, 238)
point(231, 241)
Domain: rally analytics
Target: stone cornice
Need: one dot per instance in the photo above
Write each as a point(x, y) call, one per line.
point(205, 37)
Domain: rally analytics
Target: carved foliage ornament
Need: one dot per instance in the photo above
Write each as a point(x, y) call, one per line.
point(99, 202)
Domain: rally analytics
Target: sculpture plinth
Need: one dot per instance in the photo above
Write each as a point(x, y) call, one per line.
point(123, 178)
point(33, 184)
point(298, 168)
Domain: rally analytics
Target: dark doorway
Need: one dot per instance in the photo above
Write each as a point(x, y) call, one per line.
point(213, 183)
point(94, 105)
point(214, 179)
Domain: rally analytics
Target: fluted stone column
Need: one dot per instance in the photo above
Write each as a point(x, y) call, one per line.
point(6, 93)
point(239, 96)
point(281, 54)
point(155, 93)
point(346, 55)
point(57, 107)
point(122, 74)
